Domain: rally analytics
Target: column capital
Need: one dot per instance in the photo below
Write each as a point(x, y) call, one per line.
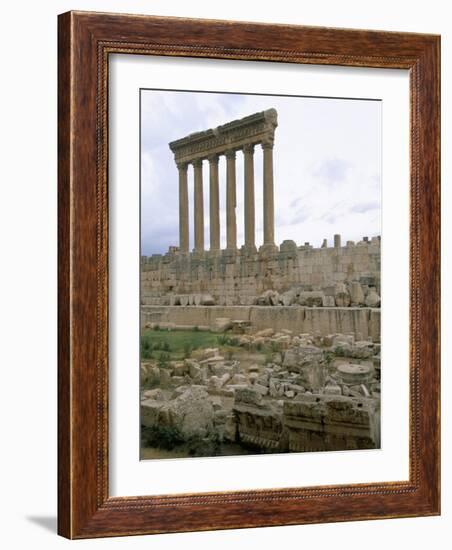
point(197, 162)
point(230, 153)
point(182, 165)
point(248, 148)
point(213, 159)
point(267, 143)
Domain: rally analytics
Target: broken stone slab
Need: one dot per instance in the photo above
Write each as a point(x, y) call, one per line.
point(214, 360)
point(356, 293)
point(276, 389)
point(343, 339)
point(219, 369)
point(332, 389)
point(341, 295)
point(288, 298)
point(203, 300)
point(296, 357)
point(252, 377)
point(263, 390)
point(180, 369)
point(373, 299)
point(239, 379)
point(263, 379)
point(152, 375)
point(191, 413)
point(265, 333)
point(297, 388)
point(239, 326)
point(165, 377)
point(217, 382)
point(221, 324)
point(183, 300)
point(155, 394)
point(313, 298)
point(268, 298)
point(248, 395)
point(210, 352)
point(194, 370)
point(362, 350)
point(328, 301)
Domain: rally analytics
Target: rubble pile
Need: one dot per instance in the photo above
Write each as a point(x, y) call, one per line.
point(304, 392)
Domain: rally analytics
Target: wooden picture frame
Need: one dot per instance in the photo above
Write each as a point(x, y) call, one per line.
point(85, 42)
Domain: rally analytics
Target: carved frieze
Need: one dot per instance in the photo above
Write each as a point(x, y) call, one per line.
point(253, 129)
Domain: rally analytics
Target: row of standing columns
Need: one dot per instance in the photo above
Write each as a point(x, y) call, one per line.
point(231, 201)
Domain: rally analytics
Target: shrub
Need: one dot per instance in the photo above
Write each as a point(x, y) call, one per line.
point(163, 360)
point(187, 350)
point(328, 358)
point(196, 328)
point(275, 347)
point(146, 348)
point(156, 327)
point(222, 340)
point(164, 437)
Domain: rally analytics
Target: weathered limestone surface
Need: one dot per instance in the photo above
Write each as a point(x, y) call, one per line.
point(363, 321)
point(316, 394)
point(239, 278)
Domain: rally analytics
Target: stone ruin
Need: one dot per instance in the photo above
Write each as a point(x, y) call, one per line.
point(313, 394)
point(317, 307)
point(289, 274)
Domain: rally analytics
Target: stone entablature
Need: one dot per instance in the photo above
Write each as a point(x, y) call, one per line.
point(253, 129)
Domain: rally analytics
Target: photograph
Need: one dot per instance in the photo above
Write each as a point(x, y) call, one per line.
point(260, 273)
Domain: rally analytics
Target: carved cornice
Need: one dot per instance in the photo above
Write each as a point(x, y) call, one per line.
point(251, 130)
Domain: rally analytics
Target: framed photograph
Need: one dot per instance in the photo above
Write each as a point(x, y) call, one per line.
point(248, 275)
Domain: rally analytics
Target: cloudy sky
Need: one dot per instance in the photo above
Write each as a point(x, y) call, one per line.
point(327, 166)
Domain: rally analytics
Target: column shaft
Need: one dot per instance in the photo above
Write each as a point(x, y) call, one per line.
point(248, 151)
point(269, 205)
point(198, 207)
point(183, 209)
point(214, 204)
point(231, 223)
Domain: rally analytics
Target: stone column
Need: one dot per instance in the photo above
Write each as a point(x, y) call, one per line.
point(269, 205)
point(214, 204)
point(231, 202)
point(183, 208)
point(198, 207)
point(248, 151)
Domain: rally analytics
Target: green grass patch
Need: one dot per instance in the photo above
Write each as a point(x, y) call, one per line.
point(178, 344)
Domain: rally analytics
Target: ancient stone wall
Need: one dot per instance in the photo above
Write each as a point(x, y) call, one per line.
point(364, 323)
point(240, 277)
